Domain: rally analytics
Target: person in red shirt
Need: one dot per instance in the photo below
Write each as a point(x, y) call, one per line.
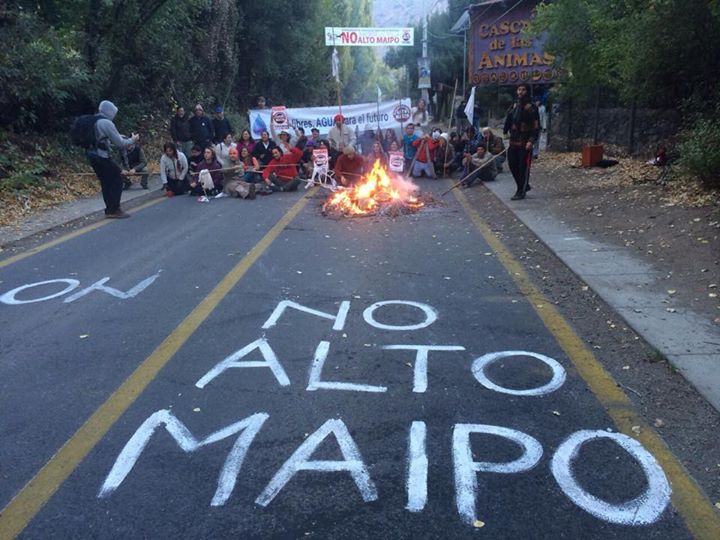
point(349, 166)
point(282, 171)
point(426, 146)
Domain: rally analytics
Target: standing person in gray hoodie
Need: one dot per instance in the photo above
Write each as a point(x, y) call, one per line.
point(107, 171)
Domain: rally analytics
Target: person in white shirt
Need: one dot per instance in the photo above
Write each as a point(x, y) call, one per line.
point(173, 170)
point(222, 150)
point(341, 135)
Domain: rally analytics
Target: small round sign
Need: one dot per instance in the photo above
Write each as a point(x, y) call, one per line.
point(401, 113)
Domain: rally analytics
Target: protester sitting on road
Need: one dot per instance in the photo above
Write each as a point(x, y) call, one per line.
point(349, 167)
point(425, 154)
point(201, 128)
point(212, 165)
point(223, 148)
point(340, 135)
point(251, 165)
point(300, 140)
point(388, 139)
point(235, 184)
point(221, 125)
point(180, 131)
point(482, 167)
point(444, 155)
point(495, 145)
point(173, 170)
point(263, 149)
point(376, 154)
point(282, 171)
point(409, 151)
point(134, 162)
point(283, 141)
point(246, 141)
point(306, 161)
point(394, 147)
point(195, 159)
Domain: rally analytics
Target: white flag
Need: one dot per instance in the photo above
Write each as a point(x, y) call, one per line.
point(335, 65)
point(470, 107)
point(379, 94)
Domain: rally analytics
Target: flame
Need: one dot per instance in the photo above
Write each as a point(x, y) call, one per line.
point(373, 191)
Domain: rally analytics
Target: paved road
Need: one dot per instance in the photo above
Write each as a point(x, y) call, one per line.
point(256, 370)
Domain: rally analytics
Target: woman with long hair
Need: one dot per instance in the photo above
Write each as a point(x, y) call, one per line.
point(390, 136)
point(173, 170)
point(246, 141)
point(212, 165)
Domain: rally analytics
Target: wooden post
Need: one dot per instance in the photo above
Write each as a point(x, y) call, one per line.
point(631, 135)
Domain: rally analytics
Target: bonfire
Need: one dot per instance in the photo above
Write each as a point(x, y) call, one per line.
point(380, 192)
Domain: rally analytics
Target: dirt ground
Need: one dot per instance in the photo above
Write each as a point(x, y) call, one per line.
point(675, 228)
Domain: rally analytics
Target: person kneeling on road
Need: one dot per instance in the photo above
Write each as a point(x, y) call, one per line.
point(483, 165)
point(235, 184)
point(282, 172)
point(349, 166)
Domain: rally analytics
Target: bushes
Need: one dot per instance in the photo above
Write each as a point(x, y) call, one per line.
point(700, 149)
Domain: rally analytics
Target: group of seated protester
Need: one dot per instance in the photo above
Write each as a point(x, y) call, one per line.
point(245, 167)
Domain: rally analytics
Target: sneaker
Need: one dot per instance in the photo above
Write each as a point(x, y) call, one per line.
point(221, 195)
point(169, 194)
point(203, 198)
point(529, 187)
point(144, 186)
point(117, 214)
point(251, 194)
point(126, 185)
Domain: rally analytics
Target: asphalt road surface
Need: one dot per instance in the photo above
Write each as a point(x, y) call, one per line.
point(253, 369)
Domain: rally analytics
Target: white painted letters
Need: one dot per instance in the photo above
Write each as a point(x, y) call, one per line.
point(466, 468)
point(100, 286)
point(314, 382)
point(339, 319)
point(417, 468)
point(232, 361)
point(421, 361)
point(484, 361)
point(643, 510)
point(299, 461)
point(129, 455)
point(430, 315)
point(9, 297)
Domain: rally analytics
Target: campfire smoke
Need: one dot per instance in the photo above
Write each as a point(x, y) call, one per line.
point(380, 192)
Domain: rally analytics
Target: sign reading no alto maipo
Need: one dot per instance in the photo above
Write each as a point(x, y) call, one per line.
point(279, 118)
point(369, 37)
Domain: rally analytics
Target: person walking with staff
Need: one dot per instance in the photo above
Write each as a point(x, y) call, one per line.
point(523, 124)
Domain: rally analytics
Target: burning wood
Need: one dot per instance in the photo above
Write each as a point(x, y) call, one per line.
point(380, 192)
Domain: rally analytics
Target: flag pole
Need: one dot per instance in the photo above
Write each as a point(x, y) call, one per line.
point(336, 71)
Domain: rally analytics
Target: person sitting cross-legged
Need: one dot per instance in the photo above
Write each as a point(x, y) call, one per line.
point(235, 184)
point(483, 167)
point(282, 171)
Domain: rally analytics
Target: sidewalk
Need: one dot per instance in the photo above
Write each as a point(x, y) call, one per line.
point(67, 212)
point(635, 289)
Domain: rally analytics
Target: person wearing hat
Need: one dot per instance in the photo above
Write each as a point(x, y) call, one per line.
point(221, 125)
point(349, 166)
point(340, 135)
point(315, 136)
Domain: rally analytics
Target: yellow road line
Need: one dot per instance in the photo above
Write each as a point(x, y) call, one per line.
point(28, 502)
point(687, 497)
point(64, 238)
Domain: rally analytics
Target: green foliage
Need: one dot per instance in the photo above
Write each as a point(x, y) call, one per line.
point(698, 148)
point(657, 52)
point(40, 68)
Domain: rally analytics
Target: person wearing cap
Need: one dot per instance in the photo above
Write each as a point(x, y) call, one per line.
point(221, 125)
point(134, 162)
point(340, 135)
point(235, 184)
point(201, 128)
point(495, 146)
point(349, 166)
point(315, 136)
point(107, 171)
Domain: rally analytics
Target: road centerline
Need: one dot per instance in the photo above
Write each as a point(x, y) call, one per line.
point(38, 491)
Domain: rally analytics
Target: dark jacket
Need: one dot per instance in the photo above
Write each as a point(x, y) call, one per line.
point(133, 159)
point(523, 123)
point(262, 154)
point(180, 128)
point(221, 127)
point(201, 130)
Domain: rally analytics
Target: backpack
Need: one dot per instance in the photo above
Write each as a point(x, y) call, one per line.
point(82, 131)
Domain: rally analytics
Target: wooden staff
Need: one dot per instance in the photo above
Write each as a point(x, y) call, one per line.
point(473, 172)
point(447, 146)
point(412, 163)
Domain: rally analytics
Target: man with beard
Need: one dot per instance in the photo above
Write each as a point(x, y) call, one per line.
point(523, 124)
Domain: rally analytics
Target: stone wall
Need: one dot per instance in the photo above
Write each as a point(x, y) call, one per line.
point(651, 128)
